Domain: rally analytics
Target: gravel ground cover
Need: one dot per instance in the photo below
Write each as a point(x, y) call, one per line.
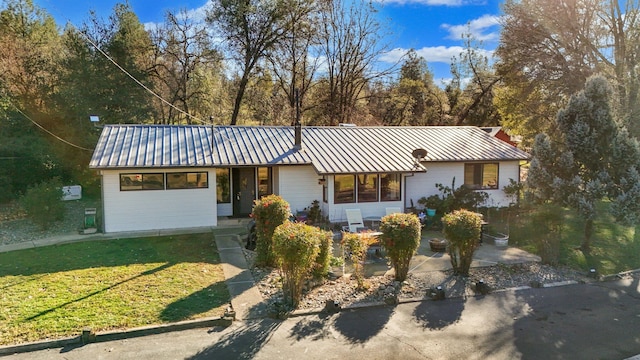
point(15, 227)
point(418, 286)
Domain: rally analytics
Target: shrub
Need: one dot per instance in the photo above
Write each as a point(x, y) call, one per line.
point(315, 212)
point(356, 245)
point(296, 246)
point(400, 239)
point(547, 221)
point(269, 212)
point(323, 260)
point(6, 189)
point(460, 198)
point(462, 229)
point(431, 202)
point(43, 203)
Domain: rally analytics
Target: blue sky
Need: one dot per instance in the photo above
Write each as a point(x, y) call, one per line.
point(432, 27)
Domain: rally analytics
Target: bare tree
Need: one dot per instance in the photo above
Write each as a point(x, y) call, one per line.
point(474, 105)
point(293, 63)
point(350, 46)
point(183, 50)
point(251, 28)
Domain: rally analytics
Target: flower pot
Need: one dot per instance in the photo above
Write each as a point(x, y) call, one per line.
point(438, 245)
point(431, 212)
point(501, 241)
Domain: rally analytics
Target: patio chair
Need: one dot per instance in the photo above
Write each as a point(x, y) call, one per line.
point(354, 220)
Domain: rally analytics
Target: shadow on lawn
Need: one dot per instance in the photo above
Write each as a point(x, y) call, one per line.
point(195, 303)
point(148, 272)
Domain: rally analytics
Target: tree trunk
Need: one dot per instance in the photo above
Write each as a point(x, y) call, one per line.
point(588, 231)
point(239, 95)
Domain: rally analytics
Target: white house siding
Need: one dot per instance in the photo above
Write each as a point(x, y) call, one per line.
point(423, 184)
point(298, 185)
point(156, 209)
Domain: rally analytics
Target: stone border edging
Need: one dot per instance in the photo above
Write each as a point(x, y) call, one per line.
point(298, 313)
point(76, 341)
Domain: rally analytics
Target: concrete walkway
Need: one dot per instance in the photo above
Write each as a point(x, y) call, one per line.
point(246, 299)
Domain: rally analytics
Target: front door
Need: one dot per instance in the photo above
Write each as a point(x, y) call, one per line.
point(244, 187)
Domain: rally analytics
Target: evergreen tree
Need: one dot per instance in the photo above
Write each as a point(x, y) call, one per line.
point(593, 159)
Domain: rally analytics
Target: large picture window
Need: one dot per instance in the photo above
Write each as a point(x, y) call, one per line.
point(223, 186)
point(187, 180)
point(344, 189)
point(481, 176)
point(367, 187)
point(141, 181)
point(390, 187)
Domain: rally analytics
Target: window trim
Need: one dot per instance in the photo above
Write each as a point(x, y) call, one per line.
point(481, 166)
point(335, 193)
point(142, 181)
point(228, 185)
point(399, 178)
point(186, 174)
point(377, 188)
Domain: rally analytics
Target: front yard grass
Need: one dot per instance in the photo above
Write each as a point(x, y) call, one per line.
point(614, 247)
point(55, 291)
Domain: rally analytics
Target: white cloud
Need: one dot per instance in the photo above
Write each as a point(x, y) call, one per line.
point(432, 54)
point(484, 28)
point(197, 15)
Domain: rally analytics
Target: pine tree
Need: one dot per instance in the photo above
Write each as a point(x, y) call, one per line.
point(593, 158)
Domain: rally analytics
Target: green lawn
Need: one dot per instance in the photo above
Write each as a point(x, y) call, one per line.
point(614, 247)
point(55, 291)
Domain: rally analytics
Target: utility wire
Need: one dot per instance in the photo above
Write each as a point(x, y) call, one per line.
point(138, 81)
point(47, 131)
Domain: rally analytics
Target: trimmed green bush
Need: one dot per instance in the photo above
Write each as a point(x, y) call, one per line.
point(400, 239)
point(356, 246)
point(43, 203)
point(323, 260)
point(296, 246)
point(269, 212)
point(462, 230)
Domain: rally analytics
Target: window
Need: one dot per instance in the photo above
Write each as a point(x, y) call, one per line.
point(344, 189)
point(390, 187)
point(264, 182)
point(187, 180)
point(481, 176)
point(325, 191)
point(223, 186)
point(367, 187)
point(142, 181)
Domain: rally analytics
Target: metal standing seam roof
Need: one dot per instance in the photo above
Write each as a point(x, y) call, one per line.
point(331, 150)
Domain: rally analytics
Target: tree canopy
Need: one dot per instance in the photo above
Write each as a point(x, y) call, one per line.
point(591, 158)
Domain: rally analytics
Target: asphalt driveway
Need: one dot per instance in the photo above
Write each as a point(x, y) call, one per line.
point(586, 321)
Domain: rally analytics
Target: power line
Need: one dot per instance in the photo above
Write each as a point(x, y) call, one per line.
point(138, 81)
point(47, 131)
point(128, 74)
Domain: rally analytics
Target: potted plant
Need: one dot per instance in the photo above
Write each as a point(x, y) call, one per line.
point(430, 203)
